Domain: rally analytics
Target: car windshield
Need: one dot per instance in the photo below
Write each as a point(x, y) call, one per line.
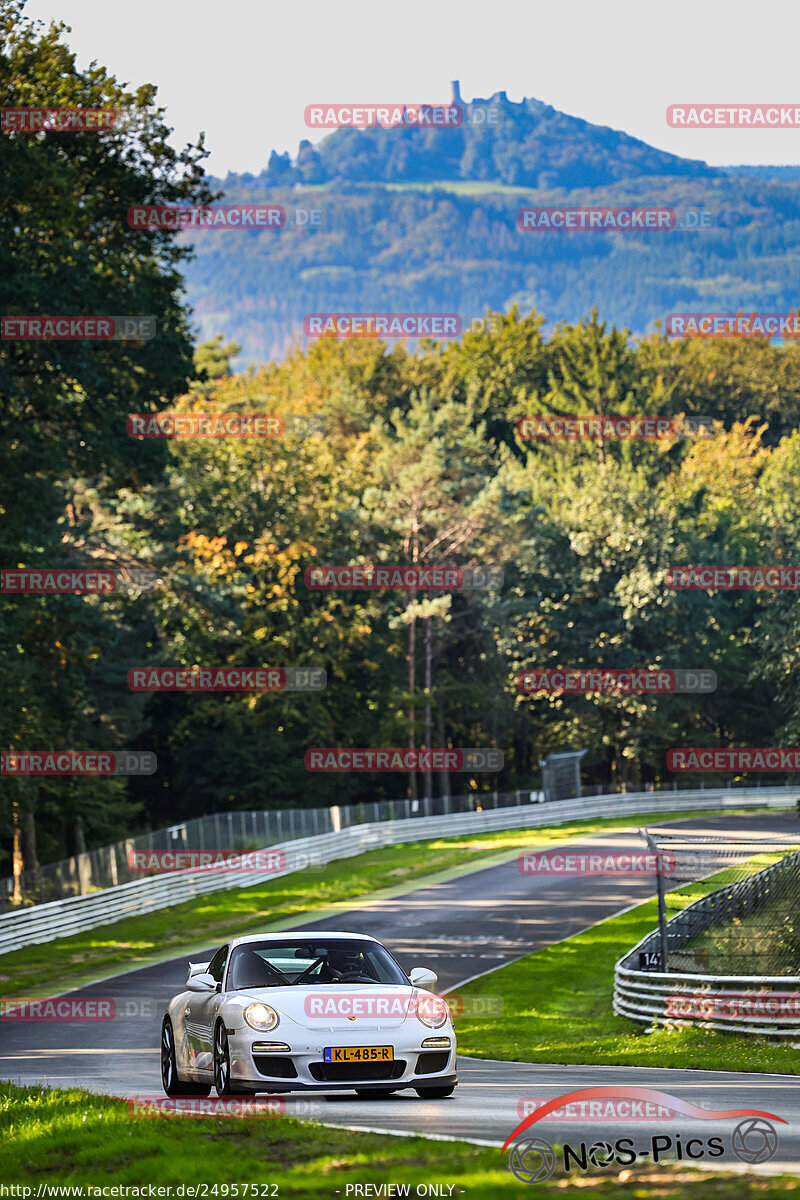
point(334, 962)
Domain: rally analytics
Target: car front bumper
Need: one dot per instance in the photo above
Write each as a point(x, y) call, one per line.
point(302, 1067)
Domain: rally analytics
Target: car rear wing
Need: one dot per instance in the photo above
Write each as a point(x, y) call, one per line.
point(197, 969)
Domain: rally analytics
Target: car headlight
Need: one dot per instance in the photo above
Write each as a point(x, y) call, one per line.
point(432, 1011)
point(260, 1017)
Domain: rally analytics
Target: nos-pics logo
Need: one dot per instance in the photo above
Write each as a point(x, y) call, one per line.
point(534, 1160)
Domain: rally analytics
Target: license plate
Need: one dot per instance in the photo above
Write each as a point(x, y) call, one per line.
point(346, 1054)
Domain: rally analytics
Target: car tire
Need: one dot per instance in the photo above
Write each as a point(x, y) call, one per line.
point(170, 1080)
point(435, 1093)
point(222, 1066)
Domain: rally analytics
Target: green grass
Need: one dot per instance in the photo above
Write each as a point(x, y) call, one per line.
point(557, 1007)
point(152, 937)
point(73, 1137)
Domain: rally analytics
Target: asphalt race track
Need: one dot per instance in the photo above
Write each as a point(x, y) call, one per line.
point(460, 928)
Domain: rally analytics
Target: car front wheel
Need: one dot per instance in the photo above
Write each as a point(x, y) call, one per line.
point(222, 1066)
point(169, 1068)
point(435, 1093)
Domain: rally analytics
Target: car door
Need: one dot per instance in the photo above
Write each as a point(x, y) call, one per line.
point(201, 1012)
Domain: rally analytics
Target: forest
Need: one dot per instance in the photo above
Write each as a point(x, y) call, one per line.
point(388, 454)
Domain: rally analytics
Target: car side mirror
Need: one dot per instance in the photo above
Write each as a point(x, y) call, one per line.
point(423, 977)
point(201, 983)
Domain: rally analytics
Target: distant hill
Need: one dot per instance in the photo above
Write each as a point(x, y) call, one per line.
point(437, 232)
point(533, 145)
point(782, 172)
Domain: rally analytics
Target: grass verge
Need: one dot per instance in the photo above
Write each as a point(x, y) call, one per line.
point(79, 1139)
point(557, 1007)
point(151, 937)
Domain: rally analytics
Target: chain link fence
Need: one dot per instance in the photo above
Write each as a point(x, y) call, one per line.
point(109, 866)
point(749, 924)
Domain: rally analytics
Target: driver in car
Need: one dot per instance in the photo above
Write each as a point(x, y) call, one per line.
point(341, 963)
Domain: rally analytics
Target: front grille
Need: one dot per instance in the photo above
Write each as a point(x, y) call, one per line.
point(356, 1072)
point(430, 1064)
point(276, 1066)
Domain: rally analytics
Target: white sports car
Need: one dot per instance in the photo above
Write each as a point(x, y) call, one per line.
point(286, 1012)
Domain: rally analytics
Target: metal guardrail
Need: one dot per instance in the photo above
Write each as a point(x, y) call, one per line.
point(768, 1005)
point(108, 866)
point(61, 918)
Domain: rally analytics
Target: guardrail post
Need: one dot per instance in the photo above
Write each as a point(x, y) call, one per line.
point(662, 908)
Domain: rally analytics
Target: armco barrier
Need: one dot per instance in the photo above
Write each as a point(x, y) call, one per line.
point(240, 829)
point(752, 1004)
point(753, 1001)
point(60, 918)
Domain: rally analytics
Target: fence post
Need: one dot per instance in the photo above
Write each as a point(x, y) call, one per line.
point(662, 909)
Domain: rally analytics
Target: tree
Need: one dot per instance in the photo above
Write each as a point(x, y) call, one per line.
point(435, 494)
point(65, 457)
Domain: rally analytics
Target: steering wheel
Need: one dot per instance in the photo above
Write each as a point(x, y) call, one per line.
point(355, 977)
point(309, 969)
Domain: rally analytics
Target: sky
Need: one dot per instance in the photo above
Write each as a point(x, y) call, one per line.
point(244, 70)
